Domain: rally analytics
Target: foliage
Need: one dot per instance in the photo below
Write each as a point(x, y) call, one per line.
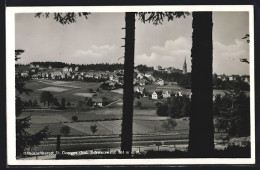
point(46, 97)
point(93, 128)
point(63, 18)
point(105, 86)
point(138, 104)
point(68, 104)
point(17, 53)
point(24, 139)
point(234, 114)
point(162, 110)
point(175, 107)
point(30, 104)
point(82, 67)
point(157, 18)
point(62, 105)
point(86, 103)
point(90, 90)
point(143, 68)
point(74, 118)
point(183, 80)
point(65, 130)
point(56, 102)
point(229, 85)
point(170, 124)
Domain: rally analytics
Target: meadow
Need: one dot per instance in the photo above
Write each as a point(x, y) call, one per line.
point(147, 126)
point(73, 91)
point(108, 119)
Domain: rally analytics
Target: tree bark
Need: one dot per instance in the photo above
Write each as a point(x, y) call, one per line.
point(201, 136)
point(128, 95)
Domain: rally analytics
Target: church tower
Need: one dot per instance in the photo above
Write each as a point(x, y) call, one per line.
point(184, 67)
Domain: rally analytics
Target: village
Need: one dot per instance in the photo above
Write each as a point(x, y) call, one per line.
point(111, 80)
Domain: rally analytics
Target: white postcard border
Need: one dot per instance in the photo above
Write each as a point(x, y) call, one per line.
point(10, 86)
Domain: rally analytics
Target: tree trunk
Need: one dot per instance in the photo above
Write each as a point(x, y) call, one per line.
point(201, 137)
point(128, 95)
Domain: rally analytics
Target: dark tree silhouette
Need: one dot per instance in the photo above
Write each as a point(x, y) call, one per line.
point(25, 140)
point(46, 96)
point(201, 136)
point(127, 120)
point(65, 130)
point(63, 18)
point(62, 105)
point(93, 128)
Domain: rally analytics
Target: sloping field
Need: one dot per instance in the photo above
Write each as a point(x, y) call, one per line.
point(73, 91)
point(54, 89)
point(49, 119)
point(54, 129)
point(120, 91)
point(59, 83)
point(106, 127)
point(113, 126)
point(137, 117)
point(84, 94)
point(145, 112)
point(150, 126)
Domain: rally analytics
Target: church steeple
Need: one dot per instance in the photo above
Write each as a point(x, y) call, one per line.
point(184, 67)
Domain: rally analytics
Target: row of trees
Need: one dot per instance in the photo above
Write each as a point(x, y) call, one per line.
point(175, 107)
point(85, 67)
point(48, 99)
point(102, 67)
point(184, 80)
point(107, 86)
point(53, 64)
point(30, 104)
point(229, 85)
point(143, 68)
point(233, 113)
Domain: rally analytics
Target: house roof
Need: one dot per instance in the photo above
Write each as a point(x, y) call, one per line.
point(97, 100)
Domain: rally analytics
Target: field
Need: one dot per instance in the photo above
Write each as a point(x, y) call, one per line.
point(107, 119)
point(73, 91)
point(147, 126)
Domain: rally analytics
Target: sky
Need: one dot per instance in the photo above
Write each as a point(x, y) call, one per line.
point(98, 40)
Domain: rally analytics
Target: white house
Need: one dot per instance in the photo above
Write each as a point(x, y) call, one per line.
point(139, 89)
point(32, 66)
point(65, 69)
point(154, 95)
point(147, 75)
point(25, 74)
point(160, 82)
point(140, 75)
point(246, 80)
point(179, 93)
point(166, 94)
point(111, 77)
point(151, 78)
point(98, 102)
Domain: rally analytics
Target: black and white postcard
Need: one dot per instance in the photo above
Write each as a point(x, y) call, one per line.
point(130, 85)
